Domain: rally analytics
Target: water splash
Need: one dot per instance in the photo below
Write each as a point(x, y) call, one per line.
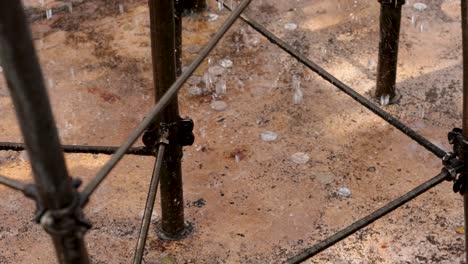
point(221, 87)
point(121, 9)
point(220, 5)
point(298, 95)
point(72, 73)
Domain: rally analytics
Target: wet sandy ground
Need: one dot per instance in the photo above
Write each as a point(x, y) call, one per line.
point(247, 199)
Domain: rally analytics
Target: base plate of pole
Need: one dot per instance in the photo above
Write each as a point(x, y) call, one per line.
point(184, 233)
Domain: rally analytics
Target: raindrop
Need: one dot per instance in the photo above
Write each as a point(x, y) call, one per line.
point(51, 84)
point(49, 13)
point(121, 9)
point(385, 99)
point(268, 136)
point(413, 20)
point(298, 97)
point(421, 27)
point(220, 5)
point(207, 79)
point(221, 87)
point(296, 79)
point(72, 73)
point(202, 132)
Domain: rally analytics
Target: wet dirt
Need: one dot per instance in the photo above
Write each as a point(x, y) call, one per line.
point(248, 201)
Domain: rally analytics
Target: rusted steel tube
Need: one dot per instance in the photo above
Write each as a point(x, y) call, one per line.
point(390, 20)
point(163, 41)
point(56, 194)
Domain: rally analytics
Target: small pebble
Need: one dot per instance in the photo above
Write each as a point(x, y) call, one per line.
point(226, 63)
point(290, 26)
point(218, 105)
point(216, 70)
point(300, 158)
point(344, 192)
point(420, 6)
point(269, 136)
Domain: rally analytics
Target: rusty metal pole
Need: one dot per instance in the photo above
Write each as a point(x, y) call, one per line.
point(60, 212)
point(464, 15)
point(390, 20)
point(178, 11)
point(172, 224)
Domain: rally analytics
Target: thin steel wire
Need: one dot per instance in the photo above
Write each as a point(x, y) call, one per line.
point(145, 222)
point(140, 151)
point(12, 183)
point(343, 87)
point(163, 102)
point(365, 221)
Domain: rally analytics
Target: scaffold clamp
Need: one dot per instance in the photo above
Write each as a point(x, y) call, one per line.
point(180, 131)
point(456, 159)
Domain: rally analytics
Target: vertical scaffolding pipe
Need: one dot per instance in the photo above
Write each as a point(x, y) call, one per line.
point(57, 195)
point(390, 20)
point(464, 15)
point(164, 73)
point(179, 10)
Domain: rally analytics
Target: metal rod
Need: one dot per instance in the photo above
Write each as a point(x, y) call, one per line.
point(365, 221)
point(390, 20)
point(27, 89)
point(464, 15)
point(162, 103)
point(166, 53)
point(140, 151)
point(149, 206)
point(343, 87)
point(12, 183)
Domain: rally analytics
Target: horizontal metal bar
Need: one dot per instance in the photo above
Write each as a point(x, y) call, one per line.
point(12, 183)
point(163, 102)
point(343, 87)
point(140, 151)
point(363, 222)
point(149, 206)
